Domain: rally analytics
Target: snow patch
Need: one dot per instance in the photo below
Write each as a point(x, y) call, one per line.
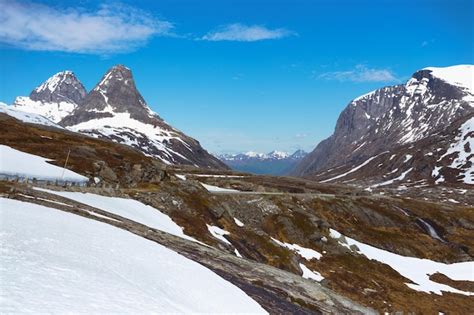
point(306, 253)
point(128, 208)
point(238, 222)
point(212, 188)
point(309, 274)
point(24, 165)
point(218, 233)
point(415, 269)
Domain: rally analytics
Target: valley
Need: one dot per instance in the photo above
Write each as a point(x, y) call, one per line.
point(382, 230)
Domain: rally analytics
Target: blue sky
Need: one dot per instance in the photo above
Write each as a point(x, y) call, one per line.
point(236, 75)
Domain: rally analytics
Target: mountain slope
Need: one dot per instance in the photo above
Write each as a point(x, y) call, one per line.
point(115, 110)
point(54, 99)
point(391, 119)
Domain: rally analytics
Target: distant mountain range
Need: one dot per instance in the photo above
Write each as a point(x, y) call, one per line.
point(115, 110)
point(417, 133)
point(273, 163)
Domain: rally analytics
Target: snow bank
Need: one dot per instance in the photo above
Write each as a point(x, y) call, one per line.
point(416, 269)
point(127, 208)
point(21, 164)
point(57, 262)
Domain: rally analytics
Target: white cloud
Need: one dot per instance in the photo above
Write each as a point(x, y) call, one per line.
point(360, 73)
point(245, 33)
point(108, 29)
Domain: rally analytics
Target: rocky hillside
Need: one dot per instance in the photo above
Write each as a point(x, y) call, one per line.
point(273, 163)
point(54, 99)
point(381, 135)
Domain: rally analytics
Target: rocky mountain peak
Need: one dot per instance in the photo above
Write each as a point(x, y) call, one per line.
point(61, 87)
point(54, 99)
point(116, 110)
point(116, 93)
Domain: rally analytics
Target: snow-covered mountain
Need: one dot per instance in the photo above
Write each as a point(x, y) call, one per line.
point(274, 155)
point(115, 110)
point(272, 163)
point(54, 99)
point(377, 128)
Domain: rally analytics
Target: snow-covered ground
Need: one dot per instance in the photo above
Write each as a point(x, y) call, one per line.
point(26, 116)
point(416, 269)
point(56, 262)
point(128, 208)
point(18, 163)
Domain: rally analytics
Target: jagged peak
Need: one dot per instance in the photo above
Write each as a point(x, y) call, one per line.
point(116, 74)
point(115, 94)
point(55, 81)
point(63, 86)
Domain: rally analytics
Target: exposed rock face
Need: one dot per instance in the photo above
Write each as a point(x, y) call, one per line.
point(391, 118)
point(62, 87)
point(56, 98)
point(115, 110)
point(115, 93)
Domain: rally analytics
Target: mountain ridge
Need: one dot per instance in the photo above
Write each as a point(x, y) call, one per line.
point(114, 110)
point(393, 116)
point(272, 163)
